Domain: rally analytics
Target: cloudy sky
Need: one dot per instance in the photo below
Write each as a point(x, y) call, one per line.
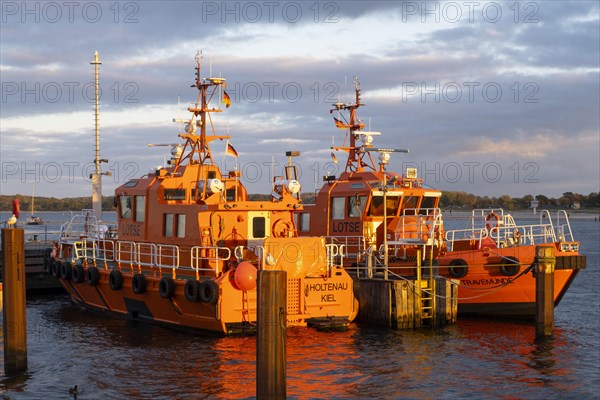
point(490, 97)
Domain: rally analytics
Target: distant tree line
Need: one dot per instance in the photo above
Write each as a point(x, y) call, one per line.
point(567, 200)
point(53, 203)
point(448, 200)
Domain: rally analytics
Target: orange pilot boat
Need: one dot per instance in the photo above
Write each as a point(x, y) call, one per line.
point(492, 257)
point(368, 210)
point(489, 257)
point(189, 242)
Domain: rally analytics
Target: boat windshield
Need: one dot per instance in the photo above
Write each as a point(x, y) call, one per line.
point(376, 206)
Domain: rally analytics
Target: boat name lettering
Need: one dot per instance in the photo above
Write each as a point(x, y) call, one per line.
point(131, 230)
point(327, 298)
point(345, 226)
point(323, 287)
point(494, 281)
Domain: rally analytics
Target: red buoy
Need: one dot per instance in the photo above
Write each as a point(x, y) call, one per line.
point(245, 276)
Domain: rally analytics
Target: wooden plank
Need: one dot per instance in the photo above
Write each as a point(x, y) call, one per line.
point(375, 302)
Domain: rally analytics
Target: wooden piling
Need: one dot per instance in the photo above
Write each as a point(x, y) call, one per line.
point(270, 335)
point(544, 291)
point(13, 293)
point(397, 304)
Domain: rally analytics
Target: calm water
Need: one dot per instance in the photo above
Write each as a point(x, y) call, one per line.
point(116, 359)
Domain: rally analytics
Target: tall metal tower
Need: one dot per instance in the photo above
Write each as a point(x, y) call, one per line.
point(96, 177)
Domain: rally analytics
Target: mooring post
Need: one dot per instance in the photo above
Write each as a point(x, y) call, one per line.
point(270, 335)
point(13, 294)
point(544, 291)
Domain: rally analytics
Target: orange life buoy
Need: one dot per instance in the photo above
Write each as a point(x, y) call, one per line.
point(492, 221)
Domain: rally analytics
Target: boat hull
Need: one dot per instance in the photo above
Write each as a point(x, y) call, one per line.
point(308, 298)
point(487, 289)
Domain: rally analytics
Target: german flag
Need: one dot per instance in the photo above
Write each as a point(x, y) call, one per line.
point(230, 151)
point(226, 100)
point(339, 123)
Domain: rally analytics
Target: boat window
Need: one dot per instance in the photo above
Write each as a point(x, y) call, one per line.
point(131, 183)
point(356, 205)
point(168, 225)
point(337, 207)
point(258, 227)
point(410, 202)
point(304, 222)
point(180, 225)
point(376, 206)
point(427, 202)
point(125, 206)
point(140, 208)
point(230, 194)
point(174, 194)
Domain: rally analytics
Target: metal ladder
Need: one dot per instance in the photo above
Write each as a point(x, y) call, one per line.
point(426, 293)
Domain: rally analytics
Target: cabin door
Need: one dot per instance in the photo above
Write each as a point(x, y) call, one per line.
point(259, 227)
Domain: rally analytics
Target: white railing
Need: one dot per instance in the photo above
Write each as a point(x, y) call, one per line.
point(352, 247)
point(465, 234)
point(125, 252)
point(80, 226)
point(167, 256)
point(333, 251)
point(85, 225)
point(418, 224)
point(507, 233)
point(214, 254)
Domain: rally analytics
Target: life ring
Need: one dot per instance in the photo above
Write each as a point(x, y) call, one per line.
point(281, 228)
point(191, 290)
point(92, 276)
point(208, 291)
point(55, 268)
point(166, 287)
point(492, 221)
point(78, 273)
point(510, 266)
point(115, 279)
point(138, 283)
point(65, 270)
point(458, 268)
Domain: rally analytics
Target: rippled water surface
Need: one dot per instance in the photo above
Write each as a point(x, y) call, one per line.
point(116, 359)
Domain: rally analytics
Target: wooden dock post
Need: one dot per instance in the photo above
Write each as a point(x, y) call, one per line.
point(270, 335)
point(14, 321)
point(544, 291)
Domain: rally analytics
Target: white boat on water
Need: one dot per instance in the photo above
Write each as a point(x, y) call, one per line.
point(33, 219)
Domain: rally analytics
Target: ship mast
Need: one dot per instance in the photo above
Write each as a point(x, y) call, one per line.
point(96, 176)
point(359, 154)
point(198, 145)
point(356, 154)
